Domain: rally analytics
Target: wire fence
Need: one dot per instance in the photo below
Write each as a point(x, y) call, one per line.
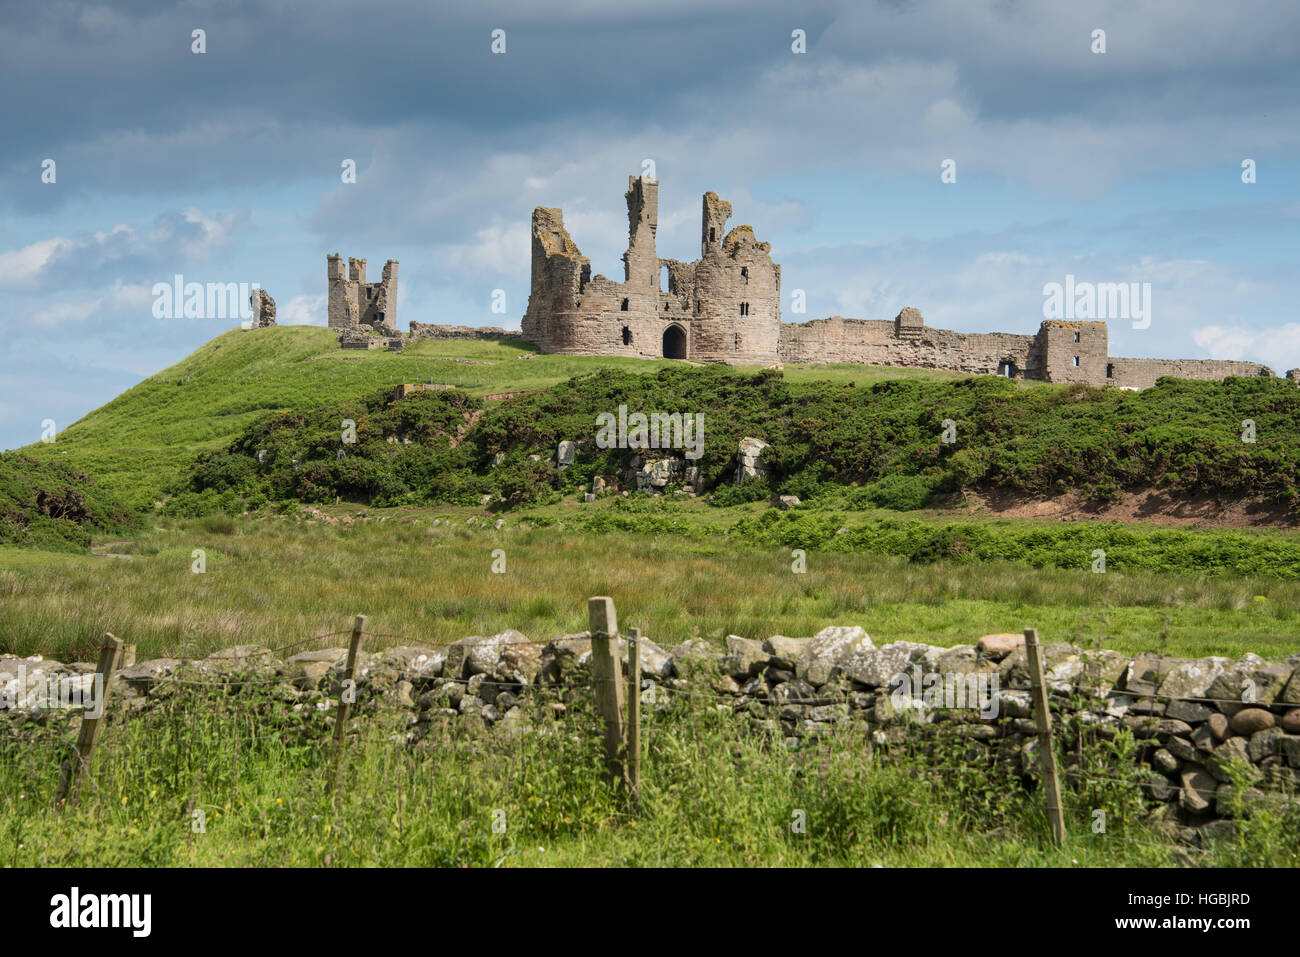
point(372, 667)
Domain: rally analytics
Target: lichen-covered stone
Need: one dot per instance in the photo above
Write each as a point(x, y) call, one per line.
point(827, 648)
point(745, 657)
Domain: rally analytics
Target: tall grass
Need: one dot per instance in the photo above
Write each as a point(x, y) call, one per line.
point(273, 581)
point(238, 781)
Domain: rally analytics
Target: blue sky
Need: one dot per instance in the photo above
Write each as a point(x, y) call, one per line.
point(225, 166)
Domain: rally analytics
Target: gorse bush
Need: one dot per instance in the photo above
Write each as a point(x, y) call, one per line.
point(752, 489)
point(402, 452)
point(52, 506)
point(837, 445)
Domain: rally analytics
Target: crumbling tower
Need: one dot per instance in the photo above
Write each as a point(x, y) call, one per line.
point(713, 222)
point(641, 262)
point(737, 292)
point(353, 303)
point(724, 307)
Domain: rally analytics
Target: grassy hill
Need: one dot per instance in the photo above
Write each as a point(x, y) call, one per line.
point(144, 439)
point(851, 436)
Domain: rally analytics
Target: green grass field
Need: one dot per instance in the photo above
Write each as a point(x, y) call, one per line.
point(272, 581)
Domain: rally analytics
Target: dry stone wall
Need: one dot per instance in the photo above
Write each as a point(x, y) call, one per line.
point(1202, 727)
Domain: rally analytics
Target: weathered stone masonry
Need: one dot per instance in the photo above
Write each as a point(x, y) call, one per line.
point(262, 307)
point(354, 304)
point(725, 307)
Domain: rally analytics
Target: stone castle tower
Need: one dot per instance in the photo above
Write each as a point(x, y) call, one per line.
point(354, 304)
point(723, 307)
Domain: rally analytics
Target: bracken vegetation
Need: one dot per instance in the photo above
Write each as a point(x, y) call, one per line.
point(833, 444)
point(51, 506)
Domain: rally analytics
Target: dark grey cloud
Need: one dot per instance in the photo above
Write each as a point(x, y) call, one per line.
point(115, 91)
point(285, 90)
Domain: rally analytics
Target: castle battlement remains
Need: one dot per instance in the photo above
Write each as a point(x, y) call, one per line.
point(723, 307)
point(726, 307)
point(355, 305)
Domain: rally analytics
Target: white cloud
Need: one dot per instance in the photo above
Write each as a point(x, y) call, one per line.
point(302, 311)
point(121, 297)
point(1278, 348)
point(63, 313)
point(195, 234)
point(495, 251)
point(21, 267)
point(55, 264)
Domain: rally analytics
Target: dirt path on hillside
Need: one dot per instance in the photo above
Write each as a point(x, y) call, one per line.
point(1156, 507)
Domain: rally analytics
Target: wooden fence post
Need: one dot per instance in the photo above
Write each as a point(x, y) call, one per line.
point(75, 768)
point(607, 675)
point(634, 712)
point(1046, 747)
point(349, 688)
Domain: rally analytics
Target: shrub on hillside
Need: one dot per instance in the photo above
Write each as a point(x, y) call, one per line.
point(752, 489)
point(52, 506)
point(833, 445)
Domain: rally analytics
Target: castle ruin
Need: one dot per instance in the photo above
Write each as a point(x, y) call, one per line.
point(262, 308)
point(356, 306)
point(725, 307)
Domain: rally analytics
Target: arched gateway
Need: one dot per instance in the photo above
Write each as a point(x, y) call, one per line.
point(674, 342)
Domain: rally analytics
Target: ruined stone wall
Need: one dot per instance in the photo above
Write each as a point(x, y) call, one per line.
point(1142, 373)
point(422, 330)
point(880, 342)
point(263, 309)
point(1062, 352)
point(383, 312)
point(724, 307)
point(339, 308)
